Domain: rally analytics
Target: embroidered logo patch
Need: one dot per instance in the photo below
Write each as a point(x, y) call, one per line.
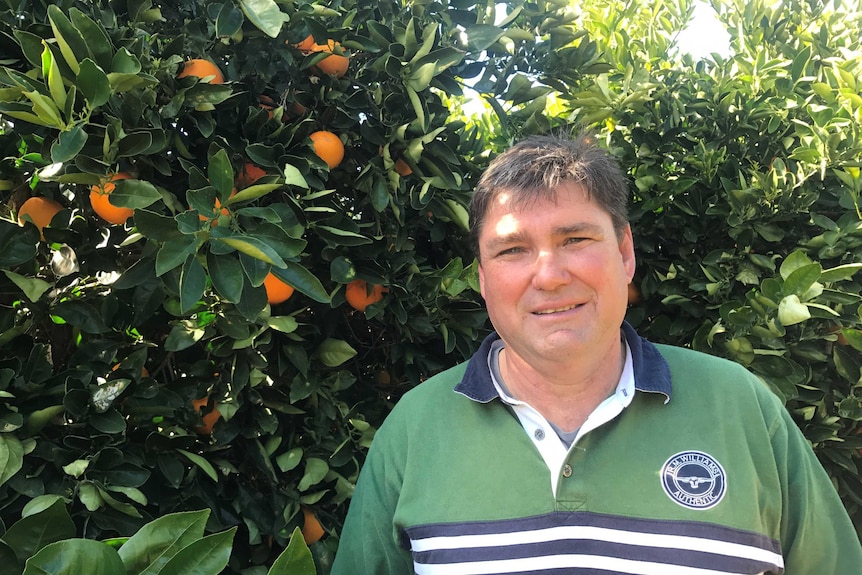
point(694, 479)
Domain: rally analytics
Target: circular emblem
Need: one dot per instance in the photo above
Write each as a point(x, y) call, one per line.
point(694, 479)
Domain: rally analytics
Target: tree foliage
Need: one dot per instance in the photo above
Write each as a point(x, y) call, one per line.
point(120, 344)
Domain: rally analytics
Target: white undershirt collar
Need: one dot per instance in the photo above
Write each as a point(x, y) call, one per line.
point(541, 432)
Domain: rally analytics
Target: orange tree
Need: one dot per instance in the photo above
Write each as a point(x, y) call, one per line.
point(143, 370)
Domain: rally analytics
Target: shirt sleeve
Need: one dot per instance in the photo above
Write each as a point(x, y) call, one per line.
point(817, 536)
point(370, 538)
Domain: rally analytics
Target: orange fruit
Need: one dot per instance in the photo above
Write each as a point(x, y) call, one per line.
point(276, 290)
point(402, 168)
point(99, 195)
point(248, 175)
point(38, 210)
point(334, 64)
point(223, 212)
point(358, 297)
point(202, 69)
point(328, 147)
point(297, 109)
point(209, 419)
point(305, 45)
point(266, 103)
point(312, 530)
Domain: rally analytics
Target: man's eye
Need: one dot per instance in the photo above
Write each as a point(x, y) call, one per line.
point(510, 251)
point(575, 240)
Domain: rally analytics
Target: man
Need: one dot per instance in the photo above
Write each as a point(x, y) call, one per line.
point(568, 444)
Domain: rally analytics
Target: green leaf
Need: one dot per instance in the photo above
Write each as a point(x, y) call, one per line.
point(229, 21)
point(282, 323)
point(800, 280)
point(792, 311)
point(220, 174)
point(11, 456)
point(252, 193)
point(303, 280)
point(149, 550)
point(69, 39)
point(121, 506)
point(289, 460)
point(205, 465)
point(265, 15)
point(795, 260)
point(51, 72)
point(840, 273)
point(93, 83)
point(31, 46)
point(207, 556)
point(88, 493)
point(68, 144)
point(293, 177)
point(481, 36)
point(174, 253)
point(182, 336)
point(30, 534)
point(296, 558)
point(156, 226)
point(226, 275)
point(19, 245)
point(81, 314)
point(253, 247)
point(193, 282)
point(75, 556)
point(134, 194)
point(98, 43)
point(46, 109)
point(33, 288)
point(334, 352)
point(315, 471)
point(853, 337)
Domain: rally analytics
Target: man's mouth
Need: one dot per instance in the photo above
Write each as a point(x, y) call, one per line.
point(555, 310)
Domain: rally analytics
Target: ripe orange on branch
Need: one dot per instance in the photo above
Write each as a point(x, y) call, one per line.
point(38, 210)
point(277, 291)
point(209, 419)
point(328, 147)
point(99, 199)
point(248, 175)
point(358, 296)
point(202, 69)
point(312, 530)
point(335, 64)
point(306, 45)
point(218, 213)
point(402, 168)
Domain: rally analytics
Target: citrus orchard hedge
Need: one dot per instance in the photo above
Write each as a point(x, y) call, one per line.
point(224, 307)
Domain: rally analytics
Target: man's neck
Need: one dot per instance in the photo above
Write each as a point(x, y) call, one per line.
point(564, 393)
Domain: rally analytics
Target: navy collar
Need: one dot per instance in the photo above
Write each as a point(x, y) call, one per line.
point(652, 373)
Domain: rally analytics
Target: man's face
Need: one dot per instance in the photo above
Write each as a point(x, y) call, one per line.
point(554, 275)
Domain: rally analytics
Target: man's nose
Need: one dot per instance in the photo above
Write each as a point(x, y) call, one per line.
point(550, 271)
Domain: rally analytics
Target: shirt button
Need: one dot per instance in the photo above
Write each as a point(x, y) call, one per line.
point(539, 434)
point(567, 470)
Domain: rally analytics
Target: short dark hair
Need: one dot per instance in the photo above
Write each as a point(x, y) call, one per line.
point(535, 167)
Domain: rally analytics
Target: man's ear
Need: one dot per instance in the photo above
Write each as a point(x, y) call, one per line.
point(481, 280)
point(627, 251)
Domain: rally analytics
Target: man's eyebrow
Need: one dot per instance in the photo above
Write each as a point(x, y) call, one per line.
point(579, 228)
point(502, 240)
